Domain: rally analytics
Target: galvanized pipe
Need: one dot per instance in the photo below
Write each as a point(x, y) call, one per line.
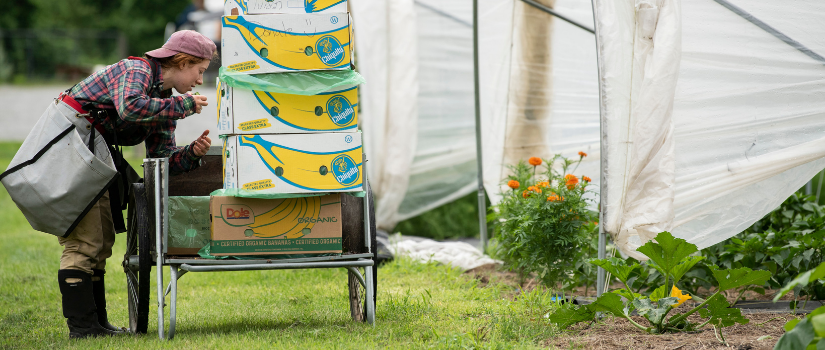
point(173, 300)
point(358, 276)
point(600, 272)
point(158, 254)
point(370, 295)
point(482, 201)
point(367, 199)
point(287, 266)
point(262, 261)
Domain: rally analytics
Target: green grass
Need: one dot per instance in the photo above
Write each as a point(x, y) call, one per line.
point(419, 305)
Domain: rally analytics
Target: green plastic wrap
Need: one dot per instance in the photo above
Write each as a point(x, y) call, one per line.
point(296, 83)
point(189, 226)
point(238, 192)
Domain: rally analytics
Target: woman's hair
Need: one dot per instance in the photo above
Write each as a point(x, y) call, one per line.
point(180, 59)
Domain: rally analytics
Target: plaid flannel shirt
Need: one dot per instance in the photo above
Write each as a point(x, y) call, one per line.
point(145, 113)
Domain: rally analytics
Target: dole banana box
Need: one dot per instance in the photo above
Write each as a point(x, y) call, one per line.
point(242, 111)
point(262, 7)
point(293, 163)
point(278, 43)
point(252, 226)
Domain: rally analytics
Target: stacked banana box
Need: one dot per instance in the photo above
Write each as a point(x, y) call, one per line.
point(276, 144)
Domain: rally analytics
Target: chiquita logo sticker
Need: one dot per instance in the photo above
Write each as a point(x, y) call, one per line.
point(329, 50)
point(345, 170)
point(340, 110)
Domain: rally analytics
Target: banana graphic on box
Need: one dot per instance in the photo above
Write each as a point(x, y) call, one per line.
point(240, 3)
point(290, 50)
point(290, 216)
point(305, 113)
point(320, 5)
point(314, 171)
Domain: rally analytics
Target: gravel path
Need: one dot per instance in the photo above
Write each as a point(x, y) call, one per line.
point(23, 105)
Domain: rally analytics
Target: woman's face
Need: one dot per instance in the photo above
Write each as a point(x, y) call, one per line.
point(189, 76)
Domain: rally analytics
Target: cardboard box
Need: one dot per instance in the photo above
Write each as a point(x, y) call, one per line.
point(257, 44)
point(263, 7)
point(189, 227)
point(252, 226)
point(242, 111)
point(294, 163)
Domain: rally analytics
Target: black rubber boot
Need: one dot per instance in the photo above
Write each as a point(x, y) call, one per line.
point(79, 304)
point(99, 291)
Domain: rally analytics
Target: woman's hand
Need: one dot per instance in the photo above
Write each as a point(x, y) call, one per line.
point(201, 145)
point(200, 101)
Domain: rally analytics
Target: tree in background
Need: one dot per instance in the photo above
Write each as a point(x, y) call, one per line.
point(41, 37)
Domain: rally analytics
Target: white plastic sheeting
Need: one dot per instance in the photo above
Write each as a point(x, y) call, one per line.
point(748, 115)
point(562, 101)
point(457, 254)
point(539, 90)
point(640, 47)
point(386, 55)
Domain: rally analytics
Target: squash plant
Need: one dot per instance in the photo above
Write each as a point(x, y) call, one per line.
point(807, 333)
point(673, 258)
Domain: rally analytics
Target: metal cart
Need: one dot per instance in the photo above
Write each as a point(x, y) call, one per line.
point(148, 224)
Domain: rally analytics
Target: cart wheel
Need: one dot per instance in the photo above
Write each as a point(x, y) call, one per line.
point(354, 224)
point(137, 262)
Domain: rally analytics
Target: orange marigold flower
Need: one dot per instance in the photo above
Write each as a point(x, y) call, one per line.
point(525, 194)
point(513, 184)
point(555, 198)
point(572, 181)
point(534, 161)
point(543, 184)
point(534, 189)
point(582, 154)
point(586, 179)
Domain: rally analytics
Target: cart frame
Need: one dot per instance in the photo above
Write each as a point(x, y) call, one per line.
point(156, 175)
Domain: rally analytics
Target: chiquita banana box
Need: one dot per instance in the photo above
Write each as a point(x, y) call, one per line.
point(253, 226)
point(242, 111)
point(262, 7)
point(278, 43)
point(294, 163)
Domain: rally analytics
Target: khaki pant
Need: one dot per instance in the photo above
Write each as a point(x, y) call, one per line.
point(90, 243)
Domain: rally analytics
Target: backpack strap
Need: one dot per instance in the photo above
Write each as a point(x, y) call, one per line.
point(152, 65)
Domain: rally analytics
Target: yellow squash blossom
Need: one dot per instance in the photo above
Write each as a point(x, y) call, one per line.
point(676, 293)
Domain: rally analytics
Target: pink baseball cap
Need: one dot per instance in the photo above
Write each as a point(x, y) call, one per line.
point(186, 41)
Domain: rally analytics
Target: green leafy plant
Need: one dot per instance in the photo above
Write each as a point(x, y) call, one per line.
point(543, 220)
point(786, 242)
point(673, 258)
point(809, 332)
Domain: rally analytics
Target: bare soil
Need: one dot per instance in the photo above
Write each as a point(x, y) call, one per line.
point(762, 332)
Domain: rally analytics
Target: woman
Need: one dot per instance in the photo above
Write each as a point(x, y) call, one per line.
point(126, 103)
